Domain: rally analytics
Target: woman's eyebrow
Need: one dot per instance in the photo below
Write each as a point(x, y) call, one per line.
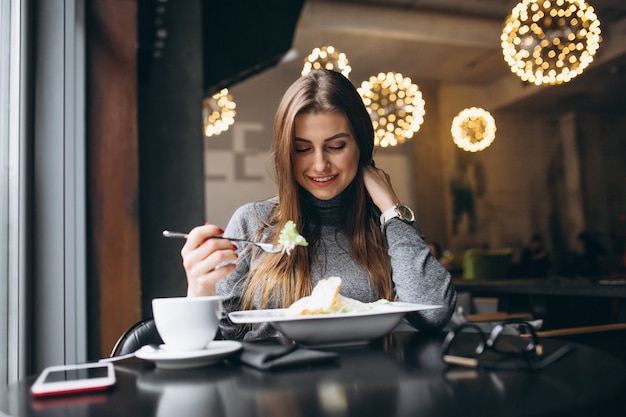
point(333, 137)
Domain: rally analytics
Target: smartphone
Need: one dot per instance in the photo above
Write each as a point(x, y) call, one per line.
point(67, 379)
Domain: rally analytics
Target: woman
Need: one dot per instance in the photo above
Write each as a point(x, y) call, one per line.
point(328, 185)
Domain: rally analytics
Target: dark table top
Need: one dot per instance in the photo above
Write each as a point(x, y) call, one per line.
point(401, 375)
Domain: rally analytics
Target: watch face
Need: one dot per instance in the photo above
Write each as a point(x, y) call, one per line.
point(405, 213)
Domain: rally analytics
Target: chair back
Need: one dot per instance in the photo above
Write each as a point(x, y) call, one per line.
point(487, 263)
point(142, 333)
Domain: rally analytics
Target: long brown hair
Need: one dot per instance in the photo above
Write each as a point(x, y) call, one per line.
point(282, 279)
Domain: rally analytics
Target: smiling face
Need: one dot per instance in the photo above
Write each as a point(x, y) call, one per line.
point(326, 155)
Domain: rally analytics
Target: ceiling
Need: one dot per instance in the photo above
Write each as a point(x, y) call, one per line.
point(457, 42)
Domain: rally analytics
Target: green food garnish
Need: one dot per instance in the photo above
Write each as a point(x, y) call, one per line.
point(289, 237)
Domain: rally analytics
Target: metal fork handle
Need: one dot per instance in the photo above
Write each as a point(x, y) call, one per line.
point(177, 235)
point(267, 247)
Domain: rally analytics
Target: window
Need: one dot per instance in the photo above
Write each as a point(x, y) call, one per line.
point(42, 192)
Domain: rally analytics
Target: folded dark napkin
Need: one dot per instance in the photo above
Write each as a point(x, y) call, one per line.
point(267, 356)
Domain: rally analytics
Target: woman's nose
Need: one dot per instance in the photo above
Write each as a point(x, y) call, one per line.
point(320, 162)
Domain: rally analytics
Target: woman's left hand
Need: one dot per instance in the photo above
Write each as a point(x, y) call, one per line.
point(378, 185)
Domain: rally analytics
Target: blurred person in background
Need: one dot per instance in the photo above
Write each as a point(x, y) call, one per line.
point(535, 261)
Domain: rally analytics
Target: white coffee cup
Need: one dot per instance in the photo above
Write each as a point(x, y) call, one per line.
point(187, 323)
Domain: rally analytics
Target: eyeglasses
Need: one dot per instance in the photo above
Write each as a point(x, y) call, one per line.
point(513, 344)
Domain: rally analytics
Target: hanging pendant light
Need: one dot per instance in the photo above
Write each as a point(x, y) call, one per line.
point(218, 113)
point(550, 41)
point(473, 129)
point(327, 57)
point(395, 105)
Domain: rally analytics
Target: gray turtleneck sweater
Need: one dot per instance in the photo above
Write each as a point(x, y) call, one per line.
point(417, 276)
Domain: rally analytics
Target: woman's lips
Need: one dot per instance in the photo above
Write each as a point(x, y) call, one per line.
point(323, 181)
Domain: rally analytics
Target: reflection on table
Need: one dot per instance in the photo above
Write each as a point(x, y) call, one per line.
point(401, 375)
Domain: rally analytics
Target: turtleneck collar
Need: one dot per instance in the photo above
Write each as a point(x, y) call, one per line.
point(330, 212)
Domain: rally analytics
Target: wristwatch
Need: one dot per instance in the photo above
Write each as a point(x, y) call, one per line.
point(401, 211)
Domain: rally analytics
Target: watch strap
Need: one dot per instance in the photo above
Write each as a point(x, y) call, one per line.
point(388, 214)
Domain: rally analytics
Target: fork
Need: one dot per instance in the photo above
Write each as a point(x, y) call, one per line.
point(267, 247)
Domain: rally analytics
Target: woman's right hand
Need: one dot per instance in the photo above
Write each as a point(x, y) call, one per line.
point(201, 255)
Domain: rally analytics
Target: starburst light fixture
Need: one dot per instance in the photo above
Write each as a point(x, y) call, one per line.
point(550, 41)
point(473, 129)
point(395, 105)
point(327, 57)
point(218, 113)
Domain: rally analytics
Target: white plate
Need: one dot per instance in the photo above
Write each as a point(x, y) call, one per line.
point(177, 359)
point(333, 329)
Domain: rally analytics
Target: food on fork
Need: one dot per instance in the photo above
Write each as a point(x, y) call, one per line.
point(325, 299)
point(289, 237)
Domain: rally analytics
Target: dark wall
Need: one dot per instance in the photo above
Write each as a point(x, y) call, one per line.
point(171, 176)
point(603, 148)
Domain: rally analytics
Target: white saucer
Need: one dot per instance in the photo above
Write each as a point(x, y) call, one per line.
point(164, 358)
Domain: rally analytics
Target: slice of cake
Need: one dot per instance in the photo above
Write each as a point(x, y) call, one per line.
point(321, 300)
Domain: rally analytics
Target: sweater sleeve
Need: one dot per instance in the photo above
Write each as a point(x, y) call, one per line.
point(418, 276)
